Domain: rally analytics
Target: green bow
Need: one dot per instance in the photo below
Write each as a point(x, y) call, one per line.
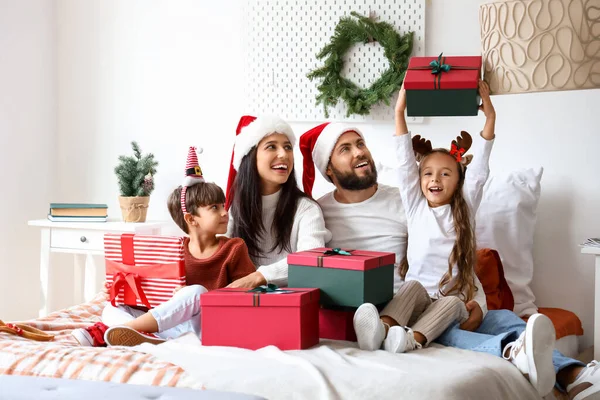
point(266, 289)
point(337, 251)
point(437, 66)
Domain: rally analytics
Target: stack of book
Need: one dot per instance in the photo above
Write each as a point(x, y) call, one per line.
point(78, 212)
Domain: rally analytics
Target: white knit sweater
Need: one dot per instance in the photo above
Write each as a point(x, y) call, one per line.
point(308, 232)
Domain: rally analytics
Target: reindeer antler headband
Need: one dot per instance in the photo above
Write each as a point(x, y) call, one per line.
point(458, 148)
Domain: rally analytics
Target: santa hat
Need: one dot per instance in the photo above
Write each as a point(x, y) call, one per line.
point(193, 174)
point(316, 146)
point(250, 131)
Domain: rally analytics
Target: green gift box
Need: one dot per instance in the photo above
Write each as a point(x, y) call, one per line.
point(442, 86)
point(347, 278)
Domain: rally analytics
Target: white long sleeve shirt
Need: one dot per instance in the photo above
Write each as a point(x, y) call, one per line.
point(375, 224)
point(308, 232)
point(431, 234)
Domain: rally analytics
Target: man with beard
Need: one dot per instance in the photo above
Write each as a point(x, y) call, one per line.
point(360, 213)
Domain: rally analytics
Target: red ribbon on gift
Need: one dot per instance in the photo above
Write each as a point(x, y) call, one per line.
point(123, 279)
point(131, 280)
point(438, 68)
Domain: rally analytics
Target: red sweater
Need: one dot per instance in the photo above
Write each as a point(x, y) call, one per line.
point(229, 263)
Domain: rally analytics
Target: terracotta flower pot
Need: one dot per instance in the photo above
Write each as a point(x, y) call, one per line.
point(134, 209)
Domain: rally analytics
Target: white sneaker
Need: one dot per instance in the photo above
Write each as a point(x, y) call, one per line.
point(531, 353)
point(126, 336)
point(587, 384)
point(400, 340)
point(369, 328)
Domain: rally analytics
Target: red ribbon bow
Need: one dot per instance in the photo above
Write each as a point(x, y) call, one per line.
point(15, 328)
point(122, 279)
point(457, 153)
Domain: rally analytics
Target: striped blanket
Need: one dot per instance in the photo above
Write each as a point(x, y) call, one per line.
point(63, 358)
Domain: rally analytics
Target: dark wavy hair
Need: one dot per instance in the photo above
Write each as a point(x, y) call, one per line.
point(247, 208)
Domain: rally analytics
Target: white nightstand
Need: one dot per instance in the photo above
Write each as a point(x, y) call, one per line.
point(83, 240)
point(596, 252)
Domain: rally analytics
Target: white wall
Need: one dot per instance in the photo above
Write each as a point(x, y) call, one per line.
point(27, 146)
point(168, 75)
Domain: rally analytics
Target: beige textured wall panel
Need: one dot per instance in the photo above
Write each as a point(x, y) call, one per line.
point(541, 45)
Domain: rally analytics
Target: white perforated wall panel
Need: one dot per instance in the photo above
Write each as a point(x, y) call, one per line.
point(283, 37)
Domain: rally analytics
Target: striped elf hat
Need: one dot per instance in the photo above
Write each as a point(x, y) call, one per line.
point(193, 174)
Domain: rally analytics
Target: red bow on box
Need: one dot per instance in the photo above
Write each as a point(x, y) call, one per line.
point(131, 280)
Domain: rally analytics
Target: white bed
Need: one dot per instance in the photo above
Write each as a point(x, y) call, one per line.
point(338, 370)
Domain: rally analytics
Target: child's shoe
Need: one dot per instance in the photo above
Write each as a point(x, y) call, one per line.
point(126, 336)
point(370, 330)
point(91, 336)
point(400, 340)
point(531, 353)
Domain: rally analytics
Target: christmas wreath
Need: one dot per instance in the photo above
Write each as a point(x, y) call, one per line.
point(360, 29)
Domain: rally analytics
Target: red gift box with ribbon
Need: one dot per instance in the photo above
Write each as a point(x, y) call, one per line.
point(442, 86)
point(287, 318)
point(143, 270)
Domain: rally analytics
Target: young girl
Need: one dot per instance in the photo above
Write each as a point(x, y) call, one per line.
point(440, 198)
point(268, 210)
point(211, 262)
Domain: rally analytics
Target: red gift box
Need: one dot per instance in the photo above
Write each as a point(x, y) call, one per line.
point(287, 318)
point(337, 324)
point(464, 73)
point(358, 260)
point(143, 270)
point(442, 86)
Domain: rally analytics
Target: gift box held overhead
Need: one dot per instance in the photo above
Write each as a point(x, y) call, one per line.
point(347, 278)
point(286, 318)
point(442, 86)
point(143, 270)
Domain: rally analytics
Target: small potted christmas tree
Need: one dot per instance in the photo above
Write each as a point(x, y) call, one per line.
point(136, 182)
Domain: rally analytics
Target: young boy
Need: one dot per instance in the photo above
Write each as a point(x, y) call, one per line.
point(211, 262)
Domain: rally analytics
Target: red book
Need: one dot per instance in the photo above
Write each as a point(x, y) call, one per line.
point(287, 318)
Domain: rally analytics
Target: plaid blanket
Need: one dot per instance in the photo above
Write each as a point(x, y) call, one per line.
point(64, 358)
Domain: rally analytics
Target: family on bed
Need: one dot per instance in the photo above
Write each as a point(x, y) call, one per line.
point(428, 222)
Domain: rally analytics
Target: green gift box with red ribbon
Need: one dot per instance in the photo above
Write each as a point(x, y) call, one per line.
point(347, 278)
point(442, 86)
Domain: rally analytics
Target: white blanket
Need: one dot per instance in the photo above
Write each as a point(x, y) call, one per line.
point(338, 370)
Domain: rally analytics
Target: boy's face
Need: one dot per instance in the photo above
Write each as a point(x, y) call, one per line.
point(211, 219)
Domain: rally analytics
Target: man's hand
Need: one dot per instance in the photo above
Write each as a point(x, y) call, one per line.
point(249, 281)
point(475, 316)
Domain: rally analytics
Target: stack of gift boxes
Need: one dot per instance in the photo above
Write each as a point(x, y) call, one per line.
point(325, 288)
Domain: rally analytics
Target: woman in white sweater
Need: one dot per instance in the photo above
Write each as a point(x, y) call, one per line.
point(266, 207)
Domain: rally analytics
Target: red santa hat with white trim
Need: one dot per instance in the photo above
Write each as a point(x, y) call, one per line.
point(316, 146)
point(250, 131)
point(193, 174)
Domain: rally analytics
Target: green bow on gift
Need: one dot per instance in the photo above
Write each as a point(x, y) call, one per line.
point(337, 251)
point(437, 66)
point(270, 288)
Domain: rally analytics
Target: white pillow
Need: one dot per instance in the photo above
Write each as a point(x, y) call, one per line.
point(506, 222)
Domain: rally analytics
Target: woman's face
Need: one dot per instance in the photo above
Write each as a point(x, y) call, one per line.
point(274, 161)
